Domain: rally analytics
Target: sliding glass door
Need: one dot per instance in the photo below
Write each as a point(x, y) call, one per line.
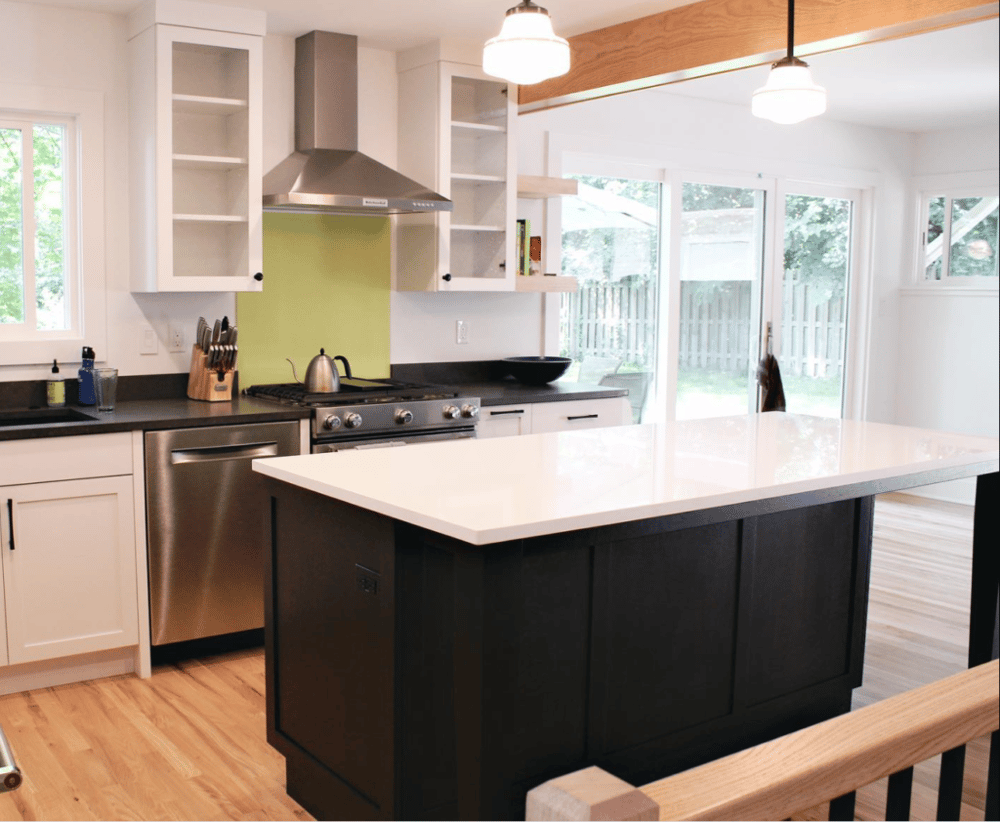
point(611, 244)
point(722, 232)
point(815, 297)
point(682, 278)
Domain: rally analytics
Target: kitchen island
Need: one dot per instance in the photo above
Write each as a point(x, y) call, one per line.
point(449, 625)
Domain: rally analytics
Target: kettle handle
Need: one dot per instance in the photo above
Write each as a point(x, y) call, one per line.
point(293, 371)
point(347, 366)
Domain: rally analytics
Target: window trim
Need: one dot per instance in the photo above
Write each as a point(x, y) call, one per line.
point(85, 234)
point(961, 184)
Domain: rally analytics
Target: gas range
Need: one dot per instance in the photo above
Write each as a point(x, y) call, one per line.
point(378, 412)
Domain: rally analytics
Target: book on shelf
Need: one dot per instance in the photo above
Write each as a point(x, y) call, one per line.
point(522, 239)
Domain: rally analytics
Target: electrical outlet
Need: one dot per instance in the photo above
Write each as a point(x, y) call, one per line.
point(461, 332)
point(147, 339)
point(175, 337)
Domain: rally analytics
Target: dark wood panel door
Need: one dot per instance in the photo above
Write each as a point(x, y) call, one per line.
point(332, 605)
point(798, 599)
point(664, 632)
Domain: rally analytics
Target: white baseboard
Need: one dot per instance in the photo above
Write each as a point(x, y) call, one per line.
point(962, 491)
point(50, 672)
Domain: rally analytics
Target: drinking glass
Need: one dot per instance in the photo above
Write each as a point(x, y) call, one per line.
point(105, 386)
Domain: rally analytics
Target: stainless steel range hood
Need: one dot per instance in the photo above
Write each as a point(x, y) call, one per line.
point(327, 173)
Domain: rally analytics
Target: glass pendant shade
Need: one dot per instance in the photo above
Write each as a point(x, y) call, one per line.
point(790, 95)
point(526, 50)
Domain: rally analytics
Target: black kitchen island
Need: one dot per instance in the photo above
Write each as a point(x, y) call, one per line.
point(643, 598)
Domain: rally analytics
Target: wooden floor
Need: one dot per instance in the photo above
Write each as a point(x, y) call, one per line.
point(189, 742)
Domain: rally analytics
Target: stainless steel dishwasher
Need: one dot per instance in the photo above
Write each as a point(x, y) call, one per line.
point(205, 527)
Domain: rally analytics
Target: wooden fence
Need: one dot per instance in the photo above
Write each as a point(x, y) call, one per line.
point(619, 320)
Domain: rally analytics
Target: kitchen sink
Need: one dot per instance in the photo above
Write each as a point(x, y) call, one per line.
point(41, 416)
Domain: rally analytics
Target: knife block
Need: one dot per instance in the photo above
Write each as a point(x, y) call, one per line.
point(204, 383)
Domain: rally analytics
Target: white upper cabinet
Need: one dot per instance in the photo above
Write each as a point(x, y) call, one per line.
point(456, 135)
point(195, 98)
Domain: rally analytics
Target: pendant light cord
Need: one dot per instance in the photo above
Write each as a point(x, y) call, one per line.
point(791, 26)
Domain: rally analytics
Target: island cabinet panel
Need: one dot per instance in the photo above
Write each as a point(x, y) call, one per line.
point(415, 676)
point(800, 597)
point(664, 633)
point(331, 688)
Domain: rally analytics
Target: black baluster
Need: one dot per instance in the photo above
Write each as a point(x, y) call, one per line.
point(949, 803)
point(992, 803)
point(897, 804)
point(985, 570)
point(842, 808)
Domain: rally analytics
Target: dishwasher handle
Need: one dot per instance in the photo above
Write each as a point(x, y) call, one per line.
point(214, 453)
point(10, 774)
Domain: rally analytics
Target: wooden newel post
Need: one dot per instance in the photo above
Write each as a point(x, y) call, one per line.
point(590, 793)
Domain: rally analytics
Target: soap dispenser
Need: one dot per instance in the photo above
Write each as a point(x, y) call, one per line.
point(55, 388)
point(86, 376)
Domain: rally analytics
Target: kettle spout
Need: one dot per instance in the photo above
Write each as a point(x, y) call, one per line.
point(293, 371)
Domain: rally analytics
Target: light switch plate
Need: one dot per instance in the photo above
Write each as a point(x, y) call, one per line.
point(147, 339)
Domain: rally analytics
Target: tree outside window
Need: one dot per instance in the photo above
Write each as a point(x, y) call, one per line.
point(33, 276)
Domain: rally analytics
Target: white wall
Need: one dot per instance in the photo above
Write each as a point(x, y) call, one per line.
point(66, 48)
point(949, 341)
point(682, 132)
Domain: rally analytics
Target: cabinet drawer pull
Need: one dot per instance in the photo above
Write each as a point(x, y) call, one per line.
point(10, 521)
point(583, 417)
point(504, 413)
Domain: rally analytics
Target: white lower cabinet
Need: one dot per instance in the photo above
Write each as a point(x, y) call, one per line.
point(68, 552)
point(504, 421)
point(543, 417)
point(574, 415)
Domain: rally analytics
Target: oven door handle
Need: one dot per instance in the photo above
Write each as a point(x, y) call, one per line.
point(382, 444)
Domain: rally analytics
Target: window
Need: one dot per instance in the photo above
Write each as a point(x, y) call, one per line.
point(960, 237)
point(38, 291)
point(52, 279)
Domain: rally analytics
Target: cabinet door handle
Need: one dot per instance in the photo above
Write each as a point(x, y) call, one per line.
point(583, 417)
point(502, 413)
point(10, 521)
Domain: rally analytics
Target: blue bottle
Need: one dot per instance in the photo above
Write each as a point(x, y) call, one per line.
point(86, 375)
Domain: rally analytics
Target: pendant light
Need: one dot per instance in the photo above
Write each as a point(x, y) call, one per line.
point(526, 50)
point(790, 95)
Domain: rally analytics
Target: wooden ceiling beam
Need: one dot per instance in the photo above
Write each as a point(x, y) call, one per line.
point(714, 36)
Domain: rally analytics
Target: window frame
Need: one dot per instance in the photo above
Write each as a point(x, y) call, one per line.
point(82, 113)
point(948, 282)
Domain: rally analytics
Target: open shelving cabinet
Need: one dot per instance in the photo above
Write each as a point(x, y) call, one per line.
point(196, 160)
point(457, 137)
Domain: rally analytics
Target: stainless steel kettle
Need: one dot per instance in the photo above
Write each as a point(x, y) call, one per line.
point(321, 373)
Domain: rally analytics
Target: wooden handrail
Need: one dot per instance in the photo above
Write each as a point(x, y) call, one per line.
point(802, 769)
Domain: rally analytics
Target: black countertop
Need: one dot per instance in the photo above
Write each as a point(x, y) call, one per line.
point(511, 392)
point(150, 415)
point(487, 380)
point(154, 402)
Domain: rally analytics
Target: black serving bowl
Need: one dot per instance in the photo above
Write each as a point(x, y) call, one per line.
point(536, 370)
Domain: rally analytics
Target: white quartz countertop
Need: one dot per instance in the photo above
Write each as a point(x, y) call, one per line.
point(492, 490)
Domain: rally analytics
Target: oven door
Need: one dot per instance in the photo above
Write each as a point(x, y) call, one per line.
point(390, 441)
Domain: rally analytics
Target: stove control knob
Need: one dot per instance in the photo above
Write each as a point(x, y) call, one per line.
point(470, 411)
point(451, 412)
point(331, 423)
point(353, 420)
point(403, 416)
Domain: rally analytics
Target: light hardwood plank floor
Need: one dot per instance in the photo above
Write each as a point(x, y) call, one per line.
point(189, 743)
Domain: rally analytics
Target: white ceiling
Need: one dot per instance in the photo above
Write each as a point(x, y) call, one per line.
point(944, 79)
point(933, 81)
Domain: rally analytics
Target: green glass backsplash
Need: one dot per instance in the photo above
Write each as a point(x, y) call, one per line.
point(326, 285)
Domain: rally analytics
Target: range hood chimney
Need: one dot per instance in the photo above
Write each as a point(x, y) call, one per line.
point(327, 173)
